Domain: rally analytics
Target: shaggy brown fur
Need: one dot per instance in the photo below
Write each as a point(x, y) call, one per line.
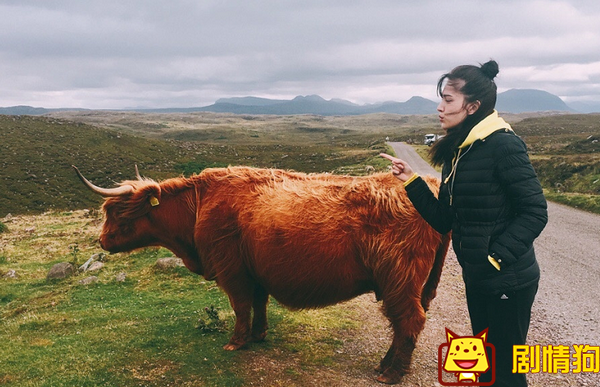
point(307, 240)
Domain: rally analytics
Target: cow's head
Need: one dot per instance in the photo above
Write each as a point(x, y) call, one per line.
point(128, 214)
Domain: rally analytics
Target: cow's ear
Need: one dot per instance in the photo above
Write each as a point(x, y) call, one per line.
point(152, 195)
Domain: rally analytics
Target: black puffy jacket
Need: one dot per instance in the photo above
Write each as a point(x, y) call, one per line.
point(492, 200)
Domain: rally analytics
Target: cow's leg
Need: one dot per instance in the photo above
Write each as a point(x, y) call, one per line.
point(386, 361)
point(430, 287)
point(397, 364)
point(242, 307)
point(407, 318)
point(240, 289)
point(259, 321)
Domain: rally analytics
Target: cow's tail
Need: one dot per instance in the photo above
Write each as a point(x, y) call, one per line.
point(430, 287)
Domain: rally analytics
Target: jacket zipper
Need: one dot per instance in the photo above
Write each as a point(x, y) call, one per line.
point(453, 171)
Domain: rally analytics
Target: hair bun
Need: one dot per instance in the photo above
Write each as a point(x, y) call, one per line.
point(490, 69)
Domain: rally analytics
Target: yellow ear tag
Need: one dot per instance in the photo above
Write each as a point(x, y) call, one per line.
point(153, 201)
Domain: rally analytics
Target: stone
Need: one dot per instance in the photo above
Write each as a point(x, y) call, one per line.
point(121, 277)
point(10, 274)
point(95, 266)
point(61, 270)
point(168, 263)
point(89, 280)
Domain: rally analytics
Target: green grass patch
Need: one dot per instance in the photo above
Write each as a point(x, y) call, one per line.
point(115, 334)
point(584, 202)
point(311, 335)
point(138, 332)
point(573, 180)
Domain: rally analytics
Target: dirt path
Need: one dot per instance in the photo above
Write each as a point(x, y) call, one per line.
point(566, 311)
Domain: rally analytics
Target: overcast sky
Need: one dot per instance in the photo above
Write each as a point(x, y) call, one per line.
point(178, 53)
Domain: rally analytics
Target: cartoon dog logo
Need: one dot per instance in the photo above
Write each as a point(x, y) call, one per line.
point(466, 357)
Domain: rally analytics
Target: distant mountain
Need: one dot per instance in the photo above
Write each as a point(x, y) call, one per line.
point(23, 110)
point(30, 110)
point(585, 107)
point(311, 104)
point(344, 102)
point(529, 100)
point(250, 101)
point(511, 101)
point(314, 104)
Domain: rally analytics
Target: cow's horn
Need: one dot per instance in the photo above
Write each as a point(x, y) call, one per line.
point(137, 173)
point(106, 192)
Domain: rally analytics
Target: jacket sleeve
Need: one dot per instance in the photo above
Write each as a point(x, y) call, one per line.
point(431, 209)
point(524, 192)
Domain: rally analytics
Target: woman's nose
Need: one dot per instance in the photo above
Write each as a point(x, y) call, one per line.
point(440, 108)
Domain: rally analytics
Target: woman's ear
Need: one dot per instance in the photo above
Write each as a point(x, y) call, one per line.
point(472, 107)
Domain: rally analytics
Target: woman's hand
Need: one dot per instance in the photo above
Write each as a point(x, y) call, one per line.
point(400, 168)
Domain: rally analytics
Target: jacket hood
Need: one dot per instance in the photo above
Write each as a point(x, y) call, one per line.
point(484, 128)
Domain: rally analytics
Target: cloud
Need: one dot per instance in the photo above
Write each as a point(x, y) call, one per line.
point(115, 54)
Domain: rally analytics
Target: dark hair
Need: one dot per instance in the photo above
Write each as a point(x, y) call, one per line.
point(477, 85)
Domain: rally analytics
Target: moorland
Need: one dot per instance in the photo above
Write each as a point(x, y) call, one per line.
point(36, 153)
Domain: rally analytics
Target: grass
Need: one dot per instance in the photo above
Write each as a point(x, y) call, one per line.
point(36, 153)
point(565, 152)
point(590, 203)
point(114, 334)
point(143, 331)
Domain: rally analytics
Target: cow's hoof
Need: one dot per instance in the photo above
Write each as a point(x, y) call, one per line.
point(389, 377)
point(232, 346)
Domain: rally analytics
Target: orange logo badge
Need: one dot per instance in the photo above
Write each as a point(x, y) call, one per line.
point(466, 358)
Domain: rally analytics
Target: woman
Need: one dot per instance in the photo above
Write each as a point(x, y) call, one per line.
point(492, 201)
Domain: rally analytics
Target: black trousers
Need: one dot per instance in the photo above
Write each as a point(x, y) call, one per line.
point(507, 317)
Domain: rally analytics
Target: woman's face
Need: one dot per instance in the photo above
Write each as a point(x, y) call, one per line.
point(453, 110)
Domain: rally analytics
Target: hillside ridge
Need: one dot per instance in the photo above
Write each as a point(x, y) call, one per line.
point(510, 101)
